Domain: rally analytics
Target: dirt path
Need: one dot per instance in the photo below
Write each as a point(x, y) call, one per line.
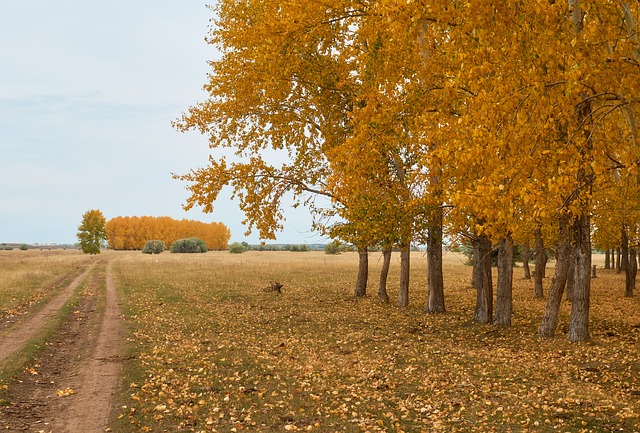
point(83, 363)
point(15, 337)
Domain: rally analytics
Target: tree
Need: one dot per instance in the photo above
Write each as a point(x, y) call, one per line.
point(91, 233)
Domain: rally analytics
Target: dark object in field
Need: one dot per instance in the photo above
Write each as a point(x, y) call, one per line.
point(273, 287)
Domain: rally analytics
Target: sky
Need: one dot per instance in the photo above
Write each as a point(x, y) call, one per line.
point(88, 91)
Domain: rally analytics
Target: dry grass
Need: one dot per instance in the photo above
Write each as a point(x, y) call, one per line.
point(27, 277)
point(214, 352)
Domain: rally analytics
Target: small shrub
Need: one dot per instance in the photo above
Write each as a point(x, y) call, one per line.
point(332, 248)
point(237, 248)
point(189, 245)
point(153, 247)
point(24, 247)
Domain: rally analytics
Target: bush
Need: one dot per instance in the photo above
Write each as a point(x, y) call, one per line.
point(24, 247)
point(332, 248)
point(237, 248)
point(153, 247)
point(189, 245)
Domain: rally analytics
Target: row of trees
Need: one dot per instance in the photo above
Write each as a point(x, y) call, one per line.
point(131, 233)
point(486, 122)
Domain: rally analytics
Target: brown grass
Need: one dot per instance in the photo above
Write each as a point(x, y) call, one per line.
point(28, 277)
point(214, 352)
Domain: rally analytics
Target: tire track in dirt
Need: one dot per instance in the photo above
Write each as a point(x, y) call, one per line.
point(85, 357)
point(99, 378)
point(16, 336)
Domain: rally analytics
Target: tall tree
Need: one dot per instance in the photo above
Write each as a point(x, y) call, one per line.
point(91, 232)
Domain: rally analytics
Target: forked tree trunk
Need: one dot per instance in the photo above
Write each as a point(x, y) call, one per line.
point(526, 255)
point(435, 303)
point(405, 259)
point(363, 273)
point(484, 299)
point(630, 273)
point(564, 256)
point(504, 290)
point(579, 322)
point(607, 259)
point(540, 264)
point(384, 273)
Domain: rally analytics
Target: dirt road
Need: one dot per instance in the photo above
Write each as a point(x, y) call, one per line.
point(73, 385)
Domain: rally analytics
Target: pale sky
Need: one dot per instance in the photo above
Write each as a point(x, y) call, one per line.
point(88, 91)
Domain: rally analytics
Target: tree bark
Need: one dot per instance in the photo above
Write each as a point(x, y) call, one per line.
point(579, 323)
point(435, 303)
point(630, 273)
point(633, 263)
point(540, 264)
point(363, 273)
point(504, 290)
point(571, 275)
point(484, 300)
point(384, 273)
point(564, 258)
point(405, 259)
point(607, 259)
point(526, 255)
point(624, 250)
point(618, 260)
point(476, 262)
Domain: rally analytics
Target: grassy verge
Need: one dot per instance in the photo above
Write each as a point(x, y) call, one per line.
point(29, 278)
point(214, 352)
point(26, 356)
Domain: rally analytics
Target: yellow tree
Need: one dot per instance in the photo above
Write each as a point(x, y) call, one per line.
point(280, 97)
point(91, 232)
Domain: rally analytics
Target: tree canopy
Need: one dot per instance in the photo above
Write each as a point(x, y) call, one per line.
point(514, 117)
point(91, 232)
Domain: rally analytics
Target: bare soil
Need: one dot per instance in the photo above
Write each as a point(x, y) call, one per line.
point(73, 384)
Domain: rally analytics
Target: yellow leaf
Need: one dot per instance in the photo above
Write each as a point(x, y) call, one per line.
point(65, 392)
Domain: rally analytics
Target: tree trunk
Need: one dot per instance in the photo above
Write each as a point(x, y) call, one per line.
point(564, 257)
point(526, 255)
point(624, 250)
point(484, 300)
point(630, 273)
point(405, 259)
point(538, 271)
point(607, 259)
point(618, 261)
point(476, 263)
point(504, 290)
point(571, 275)
point(434, 258)
point(363, 272)
point(579, 323)
point(633, 263)
point(384, 273)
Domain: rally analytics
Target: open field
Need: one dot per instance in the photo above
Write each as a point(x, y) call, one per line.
point(27, 277)
point(213, 352)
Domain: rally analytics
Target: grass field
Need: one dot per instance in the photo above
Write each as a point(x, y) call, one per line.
point(211, 351)
point(28, 277)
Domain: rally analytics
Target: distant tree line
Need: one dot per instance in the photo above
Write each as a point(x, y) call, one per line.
point(132, 233)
